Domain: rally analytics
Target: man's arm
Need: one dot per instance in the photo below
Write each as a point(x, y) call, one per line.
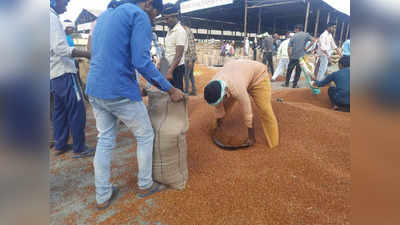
point(175, 62)
point(58, 41)
point(326, 81)
point(247, 110)
point(289, 52)
point(79, 53)
point(140, 45)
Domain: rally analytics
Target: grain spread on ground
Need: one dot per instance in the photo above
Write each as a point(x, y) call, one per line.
point(306, 180)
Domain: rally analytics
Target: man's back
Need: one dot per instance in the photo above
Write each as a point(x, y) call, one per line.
point(298, 43)
point(268, 43)
point(118, 33)
point(242, 73)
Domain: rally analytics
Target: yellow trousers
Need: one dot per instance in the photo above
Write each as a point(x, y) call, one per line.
point(261, 94)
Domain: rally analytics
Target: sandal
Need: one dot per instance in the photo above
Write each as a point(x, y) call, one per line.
point(156, 187)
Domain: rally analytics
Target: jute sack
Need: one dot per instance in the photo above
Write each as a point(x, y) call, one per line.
point(170, 123)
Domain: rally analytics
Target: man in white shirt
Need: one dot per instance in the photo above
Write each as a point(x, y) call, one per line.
point(283, 58)
point(326, 45)
point(69, 110)
point(176, 45)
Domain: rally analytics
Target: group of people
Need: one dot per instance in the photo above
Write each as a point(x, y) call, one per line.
point(120, 47)
point(228, 48)
point(299, 44)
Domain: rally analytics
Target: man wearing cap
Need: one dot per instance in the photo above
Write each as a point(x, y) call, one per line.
point(69, 114)
point(69, 29)
point(237, 81)
point(326, 45)
point(176, 44)
point(120, 45)
point(296, 50)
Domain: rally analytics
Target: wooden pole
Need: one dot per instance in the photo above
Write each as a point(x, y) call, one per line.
point(317, 23)
point(328, 19)
point(341, 35)
point(274, 26)
point(347, 32)
point(307, 15)
point(334, 35)
point(259, 21)
point(245, 19)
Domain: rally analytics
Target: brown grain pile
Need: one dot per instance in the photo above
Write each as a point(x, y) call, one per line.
point(306, 180)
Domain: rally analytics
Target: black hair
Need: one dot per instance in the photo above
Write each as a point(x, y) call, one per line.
point(299, 26)
point(212, 92)
point(331, 24)
point(157, 4)
point(345, 61)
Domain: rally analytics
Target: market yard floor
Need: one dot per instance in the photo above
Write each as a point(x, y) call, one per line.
point(306, 180)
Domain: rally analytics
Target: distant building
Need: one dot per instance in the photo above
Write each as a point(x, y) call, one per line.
point(85, 19)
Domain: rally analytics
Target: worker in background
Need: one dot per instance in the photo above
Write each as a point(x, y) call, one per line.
point(268, 53)
point(69, 29)
point(236, 82)
point(176, 44)
point(120, 45)
point(69, 114)
point(326, 45)
point(283, 58)
point(340, 93)
point(190, 59)
point(296, 50)
point(346, 48)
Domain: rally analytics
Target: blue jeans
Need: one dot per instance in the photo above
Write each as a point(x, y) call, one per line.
point(323, 66)
point(134, 115)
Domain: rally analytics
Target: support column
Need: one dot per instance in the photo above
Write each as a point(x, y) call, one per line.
point(259, 21)
point(274, 26)
point(317, 23)
point(307, 15)
point(245, 19)
point(328, 19)
point(341, 35)
point(334, 35)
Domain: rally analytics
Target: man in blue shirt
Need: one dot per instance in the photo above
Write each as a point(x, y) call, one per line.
point(339, 95)
point(346, 48)
point(120, 45)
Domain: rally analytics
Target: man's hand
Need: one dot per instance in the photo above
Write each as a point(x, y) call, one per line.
point(252, 136)
point(175, 94)
point(169, 75)
point(190, 64)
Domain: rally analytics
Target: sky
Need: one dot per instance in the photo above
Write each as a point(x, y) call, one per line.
point(76, 6)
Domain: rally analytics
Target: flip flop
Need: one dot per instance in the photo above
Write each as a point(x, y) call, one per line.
point(65, 149)
point(84, 154)
point(114, 195)
point(156, 187)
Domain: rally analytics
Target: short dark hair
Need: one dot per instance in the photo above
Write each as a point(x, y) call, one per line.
point(345, 61)
point(157, 4)
point(212, 92)
point(299, 26)
point(331, 24)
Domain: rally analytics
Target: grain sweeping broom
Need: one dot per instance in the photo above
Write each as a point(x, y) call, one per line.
point(307, 74)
